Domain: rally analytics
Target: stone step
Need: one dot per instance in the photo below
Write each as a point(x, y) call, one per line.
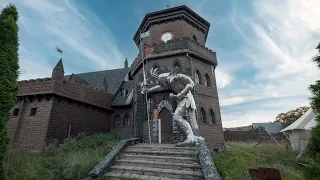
point(158, 172)
point(159, 158)
point(163, 146)
point(161, 152)
point(124, 176)
point(159, 164)
point(160, 149)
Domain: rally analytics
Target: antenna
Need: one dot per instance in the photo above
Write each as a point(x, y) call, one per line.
point(60, 51)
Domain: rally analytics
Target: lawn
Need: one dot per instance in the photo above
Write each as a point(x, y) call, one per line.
point(72, 159)
point(240, 157)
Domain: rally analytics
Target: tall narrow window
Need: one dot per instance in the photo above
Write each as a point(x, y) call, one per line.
point(197, 77)
point(212, 117)
point(126, 121)
point(15, 112)
point(33, 111)
point(203, 116)
point(194, 38)
point(69, 130)
point(117, 121)
point(207, 80)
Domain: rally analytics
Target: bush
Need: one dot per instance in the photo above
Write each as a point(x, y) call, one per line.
point(73, 159)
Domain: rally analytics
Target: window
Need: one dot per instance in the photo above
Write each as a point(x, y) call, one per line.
point(207, 80)
point(123, 92)
point(69, 130)
point(33, 111)
point(197, 77)
point(117, 121)
point(15, 112)
point(194, 38)
point(212, 117)
point(126, 121)
point(203, 116)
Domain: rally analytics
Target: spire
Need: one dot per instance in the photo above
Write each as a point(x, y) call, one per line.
point(126, 63)
point(59, 66)
point(58, 71)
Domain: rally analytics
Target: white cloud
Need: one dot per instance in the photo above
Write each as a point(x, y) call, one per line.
point(223, 78)
point(231, 101)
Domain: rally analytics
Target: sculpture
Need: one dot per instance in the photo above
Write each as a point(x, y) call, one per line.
point(180, 84)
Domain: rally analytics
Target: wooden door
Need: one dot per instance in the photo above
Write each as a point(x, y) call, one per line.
point(166, 126)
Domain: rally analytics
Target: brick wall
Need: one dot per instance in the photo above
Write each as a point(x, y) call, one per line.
point(179, 29)
point(83, 119)
point(122, 111)
point(28, 131)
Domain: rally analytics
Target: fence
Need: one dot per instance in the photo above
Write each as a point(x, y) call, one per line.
point(251, 136)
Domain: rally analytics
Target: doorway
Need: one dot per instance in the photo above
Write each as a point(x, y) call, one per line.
point(166, 126)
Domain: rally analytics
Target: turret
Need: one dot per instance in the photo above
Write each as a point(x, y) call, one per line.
point(126, 63)
point(58, 71)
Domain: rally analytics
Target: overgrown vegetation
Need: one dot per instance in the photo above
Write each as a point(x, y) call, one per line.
point(240, 157)
point(73, 159)
point(313, 148)
point(8, 75)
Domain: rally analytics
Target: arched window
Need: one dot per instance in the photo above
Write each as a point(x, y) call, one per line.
point(197, 77)
point(194, 38)
point(117, 121)
point(207, 81)
point(212, 117)
point(126, 121)
point(176, 65)
point(203, 116)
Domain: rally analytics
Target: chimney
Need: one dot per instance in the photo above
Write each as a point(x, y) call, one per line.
point(104, 85)
point(58, 71)
point(126, 63)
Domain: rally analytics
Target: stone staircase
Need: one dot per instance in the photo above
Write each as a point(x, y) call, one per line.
point(156, 162)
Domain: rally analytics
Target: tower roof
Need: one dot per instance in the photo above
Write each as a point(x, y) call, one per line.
point(179, 12)
point(59, 66)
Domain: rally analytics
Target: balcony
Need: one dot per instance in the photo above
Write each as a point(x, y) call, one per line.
point(184, 45)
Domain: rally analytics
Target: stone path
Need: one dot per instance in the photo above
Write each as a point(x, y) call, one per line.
point(156, 162)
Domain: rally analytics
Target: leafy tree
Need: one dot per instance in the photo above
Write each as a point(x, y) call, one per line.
point(291, 116)
point(8, 75)
point(313, 148)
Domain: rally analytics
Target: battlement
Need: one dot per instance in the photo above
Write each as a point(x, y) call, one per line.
point(64, 88)
point(183, 44)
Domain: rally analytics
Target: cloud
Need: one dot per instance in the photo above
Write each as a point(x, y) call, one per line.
point(86, 41)
point(223, 78)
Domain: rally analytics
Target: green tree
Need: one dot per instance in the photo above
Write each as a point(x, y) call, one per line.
point(291, 116)
point(313, 148)
point(8, 75)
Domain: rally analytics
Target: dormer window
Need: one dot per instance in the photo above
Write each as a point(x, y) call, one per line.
point(123, 92)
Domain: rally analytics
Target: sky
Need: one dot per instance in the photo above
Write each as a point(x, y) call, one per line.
point(264, 47)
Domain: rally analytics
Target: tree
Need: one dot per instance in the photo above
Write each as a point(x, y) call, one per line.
point(291, 116)
point(8, 75)
point(313, 147)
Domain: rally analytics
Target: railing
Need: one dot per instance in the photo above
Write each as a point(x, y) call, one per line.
point(107, 162)
point(208, 168)
point(179, 44)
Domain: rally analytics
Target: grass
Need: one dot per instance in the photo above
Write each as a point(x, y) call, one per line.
point(73, 159)
point(240, 157)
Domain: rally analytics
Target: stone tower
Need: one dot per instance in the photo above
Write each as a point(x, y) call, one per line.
point(177, 42)
point(58, 71)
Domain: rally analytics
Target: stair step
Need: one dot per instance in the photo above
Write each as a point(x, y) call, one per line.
point(158, 164)
point(120, 175)
point(160, 149)
point(160, 158)
point(160, 172)
point(162, 146)
point(164, 152)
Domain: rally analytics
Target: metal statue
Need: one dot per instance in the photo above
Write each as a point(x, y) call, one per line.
point(181, 85)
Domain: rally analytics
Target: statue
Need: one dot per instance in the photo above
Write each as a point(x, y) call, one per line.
point(181, 85)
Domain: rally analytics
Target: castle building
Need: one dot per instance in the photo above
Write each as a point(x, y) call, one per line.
point(52, 109)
